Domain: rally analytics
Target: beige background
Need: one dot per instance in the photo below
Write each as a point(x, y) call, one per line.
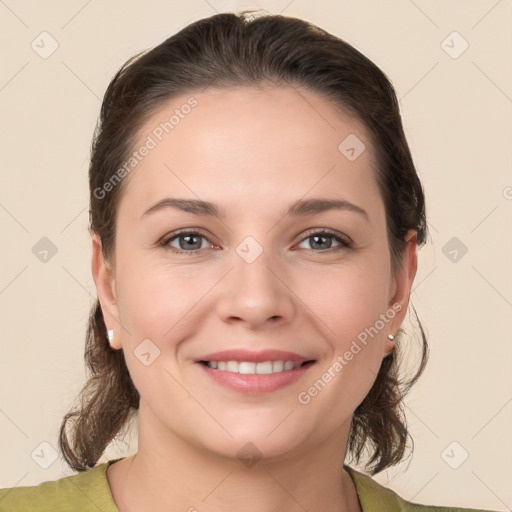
point(457, 114)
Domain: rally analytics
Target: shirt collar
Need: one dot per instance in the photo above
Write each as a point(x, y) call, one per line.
point(373, 496)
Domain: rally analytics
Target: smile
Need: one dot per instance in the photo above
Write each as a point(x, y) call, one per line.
point(254, 372)
point(255, 378)
point(250, 367)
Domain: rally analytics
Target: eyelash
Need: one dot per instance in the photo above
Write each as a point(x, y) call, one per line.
point(345, 243)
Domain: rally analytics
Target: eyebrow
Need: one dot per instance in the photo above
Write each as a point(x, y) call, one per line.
point(301, 208)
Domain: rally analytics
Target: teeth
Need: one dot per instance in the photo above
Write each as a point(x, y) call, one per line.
point(232, 366)
point(277, 366)
point(248, 368)
point(243, 367)
point(264, 368)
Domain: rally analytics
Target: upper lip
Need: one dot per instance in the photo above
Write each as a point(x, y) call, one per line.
point(255, 356)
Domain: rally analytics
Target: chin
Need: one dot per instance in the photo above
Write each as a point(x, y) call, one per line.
point(250, 445)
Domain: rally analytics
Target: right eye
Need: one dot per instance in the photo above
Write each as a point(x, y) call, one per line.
point(189, 242)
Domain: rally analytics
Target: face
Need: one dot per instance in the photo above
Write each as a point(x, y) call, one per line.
point(276, 251)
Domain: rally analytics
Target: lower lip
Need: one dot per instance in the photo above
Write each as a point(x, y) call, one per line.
point(255, 384)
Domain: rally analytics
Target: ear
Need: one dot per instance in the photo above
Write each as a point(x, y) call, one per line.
point(104, 278)
point(401, 287)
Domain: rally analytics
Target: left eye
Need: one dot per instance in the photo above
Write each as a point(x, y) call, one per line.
point(323, 240)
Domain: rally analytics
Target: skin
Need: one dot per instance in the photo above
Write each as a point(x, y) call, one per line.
point(252, 152)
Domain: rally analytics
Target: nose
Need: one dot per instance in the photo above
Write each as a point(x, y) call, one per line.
point(256, 293)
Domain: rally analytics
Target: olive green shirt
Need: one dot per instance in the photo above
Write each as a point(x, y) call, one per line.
point(90, 491)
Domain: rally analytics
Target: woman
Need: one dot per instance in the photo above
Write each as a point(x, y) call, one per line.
point(255, 214)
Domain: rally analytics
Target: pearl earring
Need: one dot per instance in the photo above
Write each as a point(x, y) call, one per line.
point(110, 334)
point(392, 338)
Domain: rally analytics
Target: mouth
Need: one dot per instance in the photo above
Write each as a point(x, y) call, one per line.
point(254, 373)
point(256, 368)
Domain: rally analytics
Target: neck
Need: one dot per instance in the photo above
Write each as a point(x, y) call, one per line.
point(183, 477)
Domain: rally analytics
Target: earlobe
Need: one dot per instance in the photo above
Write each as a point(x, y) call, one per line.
point(390, 345)
point(391, 341)
point(104, 280)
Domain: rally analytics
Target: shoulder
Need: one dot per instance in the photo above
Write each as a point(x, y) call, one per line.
point(374, 496)
point(86, 491)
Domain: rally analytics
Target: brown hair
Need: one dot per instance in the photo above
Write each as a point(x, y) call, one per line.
point(222, 51)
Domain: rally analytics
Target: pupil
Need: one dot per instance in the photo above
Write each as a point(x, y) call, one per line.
point(188, 243)
point(321, 237)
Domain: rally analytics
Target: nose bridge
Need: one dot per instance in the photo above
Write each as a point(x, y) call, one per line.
point(255, 292)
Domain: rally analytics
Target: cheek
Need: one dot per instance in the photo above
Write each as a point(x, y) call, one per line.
point(160, 301)
point(346, 299)
point(351, 302)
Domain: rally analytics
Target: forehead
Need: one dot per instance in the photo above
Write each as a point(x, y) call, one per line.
point(252, 143)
